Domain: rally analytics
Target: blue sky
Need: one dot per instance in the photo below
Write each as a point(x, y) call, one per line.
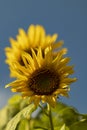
point(68, 18)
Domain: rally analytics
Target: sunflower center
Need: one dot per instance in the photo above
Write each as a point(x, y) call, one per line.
point(44, 82)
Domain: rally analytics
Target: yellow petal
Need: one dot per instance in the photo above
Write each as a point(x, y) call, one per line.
point(14, 43)
point(29, 59)
point(24, 38)
point(42, 37)
point(31, 34)
point(14, 83)
point(27, 93)
point(35, 59)
point(68, 80)
point(57, 45)
point(40, 57)
point(48, 55)
point(53, 38)
point(51, 100)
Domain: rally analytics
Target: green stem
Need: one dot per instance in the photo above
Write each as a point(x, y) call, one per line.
point(50, 117)
point(49, 114)
point(43, 110)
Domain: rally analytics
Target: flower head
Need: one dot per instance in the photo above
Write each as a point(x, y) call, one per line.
point(35, 37)
point(43, 78)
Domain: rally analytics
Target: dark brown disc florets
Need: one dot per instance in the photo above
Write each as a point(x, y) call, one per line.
point(44, 81)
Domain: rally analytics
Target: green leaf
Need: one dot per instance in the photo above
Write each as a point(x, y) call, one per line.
point(15, 104)
point(23, 125)
point(64, 127)
point(3, 117)
point(25, 113)
point(69, 116)
point(59, 107)
point(64, 114)
point(81, 125)
point(15, 99)
point(42, 119)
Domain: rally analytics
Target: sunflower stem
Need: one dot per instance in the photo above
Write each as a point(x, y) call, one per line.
point(50, 117)
point(43, 110)
point(49, 114)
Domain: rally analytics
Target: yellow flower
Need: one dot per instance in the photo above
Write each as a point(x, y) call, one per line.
point(43, 78)
point(34, 38)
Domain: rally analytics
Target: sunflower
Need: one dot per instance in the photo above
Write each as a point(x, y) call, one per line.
point(43, 78)
point(34, 38)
